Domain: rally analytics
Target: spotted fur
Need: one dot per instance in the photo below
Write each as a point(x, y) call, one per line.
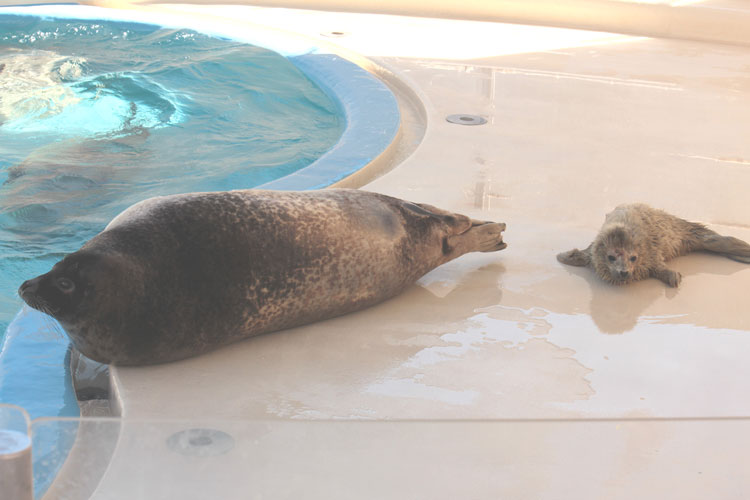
point(175, 276)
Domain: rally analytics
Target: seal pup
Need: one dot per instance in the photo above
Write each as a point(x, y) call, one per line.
point(636, 241)
point(175, 276)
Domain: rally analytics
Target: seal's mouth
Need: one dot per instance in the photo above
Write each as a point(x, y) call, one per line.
point(28, 293)
point(616, 280)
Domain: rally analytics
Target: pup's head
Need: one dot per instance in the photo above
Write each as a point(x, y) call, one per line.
point(616, 257)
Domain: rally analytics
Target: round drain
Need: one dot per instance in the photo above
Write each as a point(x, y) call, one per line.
point(466, 119)
point(200, 442)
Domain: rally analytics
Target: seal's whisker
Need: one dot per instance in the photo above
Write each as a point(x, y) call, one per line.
point(54, 327)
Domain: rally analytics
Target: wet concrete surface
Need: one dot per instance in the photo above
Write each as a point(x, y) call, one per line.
point(577, 122)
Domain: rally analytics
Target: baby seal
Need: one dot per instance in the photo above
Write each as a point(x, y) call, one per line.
point(636, 241)
point(176, 276)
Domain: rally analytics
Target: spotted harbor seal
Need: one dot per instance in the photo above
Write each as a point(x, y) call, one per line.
point(176, 276)
point(636, 241)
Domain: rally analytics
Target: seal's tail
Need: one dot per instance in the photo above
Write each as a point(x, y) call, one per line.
point(480, 237)
point(488, 236)
point(728, 246)
point(466, 235)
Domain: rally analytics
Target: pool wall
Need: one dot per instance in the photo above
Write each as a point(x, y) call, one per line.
point(368, 136)
point(368, 139)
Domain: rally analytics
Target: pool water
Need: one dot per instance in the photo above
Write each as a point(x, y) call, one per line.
point(97, 115)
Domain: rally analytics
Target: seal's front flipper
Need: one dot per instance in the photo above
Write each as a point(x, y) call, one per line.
point(727, 246)
point(667, 276)
point(575, 257)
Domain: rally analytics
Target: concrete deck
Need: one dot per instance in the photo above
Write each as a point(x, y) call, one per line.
point(578, 122)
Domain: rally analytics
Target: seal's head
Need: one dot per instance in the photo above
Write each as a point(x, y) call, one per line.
point(615, 256)
point(65, 292)
point(92, 294)
point(83, 289)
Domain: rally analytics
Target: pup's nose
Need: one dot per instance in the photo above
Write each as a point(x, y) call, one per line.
point(624, 274)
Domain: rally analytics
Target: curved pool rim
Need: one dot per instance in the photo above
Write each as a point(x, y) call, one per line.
point(370, 109)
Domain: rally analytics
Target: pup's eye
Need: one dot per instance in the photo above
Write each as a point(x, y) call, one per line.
point(611, 258)
point(632, 258)
point(65, 285)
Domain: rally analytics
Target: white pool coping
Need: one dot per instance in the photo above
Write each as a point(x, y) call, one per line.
point(367, 136)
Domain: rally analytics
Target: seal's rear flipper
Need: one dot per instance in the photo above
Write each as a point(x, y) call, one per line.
point(486, 237)
point(468, 235)
point(458, 223)
point(489, 236)
point(727, 246)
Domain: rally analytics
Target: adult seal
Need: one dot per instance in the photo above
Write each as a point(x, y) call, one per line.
point(175, 276)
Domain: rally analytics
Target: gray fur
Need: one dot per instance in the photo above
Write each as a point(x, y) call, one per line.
point(636, 241)
point(175, 276)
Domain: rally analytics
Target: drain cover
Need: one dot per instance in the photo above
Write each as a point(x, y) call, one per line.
point(466, 119)
point(200, 442)
point(334, 34)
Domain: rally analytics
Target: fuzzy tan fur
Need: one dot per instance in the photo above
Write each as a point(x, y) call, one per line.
point(636, 241)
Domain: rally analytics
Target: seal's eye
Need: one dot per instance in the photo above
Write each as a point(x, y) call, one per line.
point(65, 285)
point(611, 258)
point(632, 258)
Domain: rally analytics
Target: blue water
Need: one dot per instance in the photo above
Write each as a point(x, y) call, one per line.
point(97, 115)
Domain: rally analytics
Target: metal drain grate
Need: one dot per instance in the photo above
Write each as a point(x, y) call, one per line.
point(466, 119)
point(200, 442)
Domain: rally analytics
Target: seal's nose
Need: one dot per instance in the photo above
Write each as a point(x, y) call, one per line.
point(624, 274)
point(28, 286)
